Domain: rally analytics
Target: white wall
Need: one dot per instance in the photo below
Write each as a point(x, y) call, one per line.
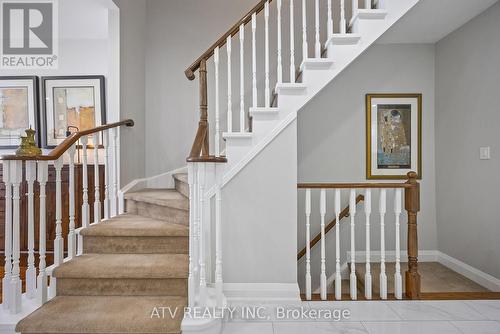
point(331, 143)
point(468, 117)
point(260, 223)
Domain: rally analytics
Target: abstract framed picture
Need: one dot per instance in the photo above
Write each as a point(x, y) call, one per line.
point(72, 103)
point(18, 108)
point(393, 135)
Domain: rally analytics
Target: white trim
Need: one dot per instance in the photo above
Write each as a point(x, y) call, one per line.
point(257, 148)
point(163, 180)
point(474, 274)
point(261, 292)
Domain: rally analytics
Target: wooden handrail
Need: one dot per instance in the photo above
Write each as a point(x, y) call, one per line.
point(344, 213)
point(59, 150)
point(352, 185)
point(222, 40)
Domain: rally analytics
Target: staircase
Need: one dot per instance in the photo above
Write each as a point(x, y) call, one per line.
point(131, 264)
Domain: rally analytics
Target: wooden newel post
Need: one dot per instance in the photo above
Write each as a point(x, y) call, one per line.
point(204, 106)
point(412, 206)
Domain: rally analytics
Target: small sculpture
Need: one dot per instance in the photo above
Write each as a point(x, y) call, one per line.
point(28, 146)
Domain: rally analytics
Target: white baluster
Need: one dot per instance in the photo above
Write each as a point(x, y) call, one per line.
point(7, 236)
point(338, 278)
point(305, 52)
point(105, 143)
point(218, 236)
point(42, 274)
point(342, 21)
point(58, 241)
point(192, 233)
point(119, 209)
point(308, 244)
point(217, 111)
point(368, 4)
point(280, 65)
point(292, 43)
point(121, 201)
point(242, 78)
point(85, 194)
point(71, 190)
point(317, 45)
point(201, 229)
point(97, 192)
point(323, 250)
point(254, 61)
point(352, 214)
point(383, 276)
point(398, 282)
point(266, 24)
point(229, 87)
point(329, 20)
point(354, 8)
point(31, 270)
point(16, 177)
point(368, 274)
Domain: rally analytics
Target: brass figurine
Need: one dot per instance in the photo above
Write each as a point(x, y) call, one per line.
point(28, 146)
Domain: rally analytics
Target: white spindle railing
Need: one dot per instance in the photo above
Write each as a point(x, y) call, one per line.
point(323, 244)
point(217, 110)
point(201, 230)
point(352, 259)
point(329, 23)
point(383, 276)
point(267, 92)
point(279, 70)
point(242, 78)
point(229, 87)
point(305, 52)
point(22, 173)
point(254, 61)
point(342, 21)
point(317, 43)
point(368, 274)
point(292, 43)
point(31, 270)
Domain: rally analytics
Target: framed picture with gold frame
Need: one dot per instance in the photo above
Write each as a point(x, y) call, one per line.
point(393, 135)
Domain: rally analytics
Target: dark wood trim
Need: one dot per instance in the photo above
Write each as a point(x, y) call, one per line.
point(344, 213)
point(222, 40)
point(412, 206)
point(352, 185)
point(57, 152)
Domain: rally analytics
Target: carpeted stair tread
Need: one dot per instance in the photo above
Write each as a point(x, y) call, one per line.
point(162, 197)
point(183, 177)
point(129, 225)
point(181, 184)
point(140, 266)
point(91, 314)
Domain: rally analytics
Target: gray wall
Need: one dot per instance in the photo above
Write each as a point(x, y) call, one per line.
point(132, 87)
point(331, 142)
point(468, 117)
point(261, 221)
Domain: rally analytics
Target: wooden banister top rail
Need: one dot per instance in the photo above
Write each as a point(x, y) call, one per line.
point(352, 185)
point(344, 213)
point(59, 150)
point(222, 40)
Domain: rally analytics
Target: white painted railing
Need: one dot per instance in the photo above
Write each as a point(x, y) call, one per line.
point(267, 53)
point(336, 193)
point(33, 172)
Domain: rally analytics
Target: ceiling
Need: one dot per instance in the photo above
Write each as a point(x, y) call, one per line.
point(431, 20)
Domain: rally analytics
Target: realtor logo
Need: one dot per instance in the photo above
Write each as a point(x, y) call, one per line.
point(29, 34)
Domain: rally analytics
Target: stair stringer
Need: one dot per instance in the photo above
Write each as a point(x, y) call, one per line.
point(293, 97)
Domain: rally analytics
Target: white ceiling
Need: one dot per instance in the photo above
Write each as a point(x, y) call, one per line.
point(431, 20)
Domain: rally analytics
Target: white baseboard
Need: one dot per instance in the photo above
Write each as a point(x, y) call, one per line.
point(262, 292)
point(480, 277)
point(488, 281)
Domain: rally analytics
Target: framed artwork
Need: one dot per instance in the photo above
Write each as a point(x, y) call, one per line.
point(18, 108)
point(72, 103)
point(393, 135)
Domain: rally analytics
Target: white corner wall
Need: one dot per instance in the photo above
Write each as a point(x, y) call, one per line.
point(331, 144)
point(467, 118)
point(259, 216)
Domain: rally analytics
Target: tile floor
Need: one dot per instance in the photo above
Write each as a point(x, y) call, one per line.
point(377, 317)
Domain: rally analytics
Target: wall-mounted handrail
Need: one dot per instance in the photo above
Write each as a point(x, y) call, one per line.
point(60, 149)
